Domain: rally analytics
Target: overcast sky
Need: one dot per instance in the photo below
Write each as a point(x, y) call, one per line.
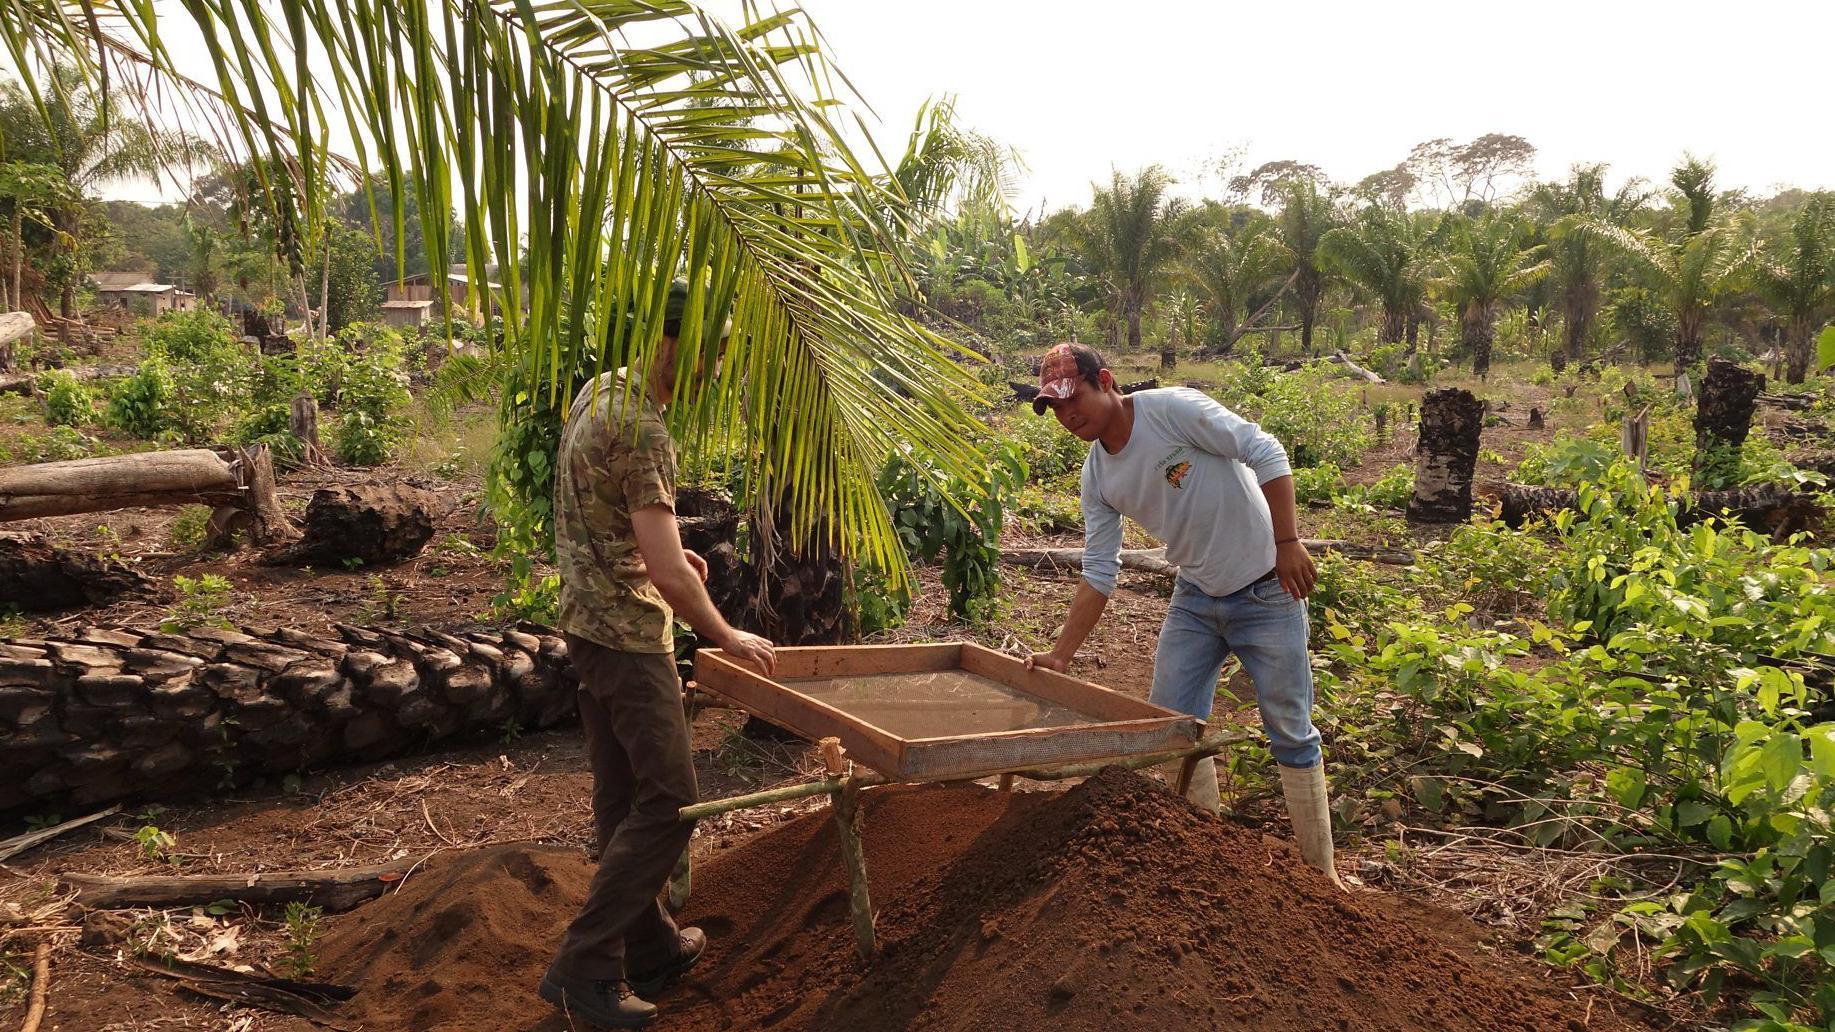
point(1080, 88)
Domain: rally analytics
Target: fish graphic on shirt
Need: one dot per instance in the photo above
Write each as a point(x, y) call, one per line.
point(1175, 473)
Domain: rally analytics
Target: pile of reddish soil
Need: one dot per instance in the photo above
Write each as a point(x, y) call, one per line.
point(1111, 906)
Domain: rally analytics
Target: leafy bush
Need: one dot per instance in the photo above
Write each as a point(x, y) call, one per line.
point(142, 404)
point(200, 600)
point(58, 444)
point(1317, 421)
point(211, 373)
point(1317, 483)
point(930, 528)
point(189, 529)
point(1568, 461)
point(372, 392)
point(1392, 490)
point(67, 401)
point(1050, 452)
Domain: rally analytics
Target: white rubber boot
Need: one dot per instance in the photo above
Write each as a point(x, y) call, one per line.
point(1202, 791)
point(1311, 814)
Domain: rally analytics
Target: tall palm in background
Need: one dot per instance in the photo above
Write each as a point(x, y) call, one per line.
point(594, 151)
point(1486, 262)
point(1232, 274)
point(1797, 279)
point(1578, 261)
point(1384, 251)
point(1305, 217)
point(65, 124)
point(1131, 236)
point(1692, 268)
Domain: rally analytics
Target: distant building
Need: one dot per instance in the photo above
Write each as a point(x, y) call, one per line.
point(134, 292)
point(407, 315)
point(423, 287)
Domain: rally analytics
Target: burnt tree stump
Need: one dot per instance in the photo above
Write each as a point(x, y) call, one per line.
point(1445, 456)
point(366, 523)
point(1723, 413)
point(37, 575)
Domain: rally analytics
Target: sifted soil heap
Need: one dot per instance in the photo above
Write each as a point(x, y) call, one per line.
point(1111, 906)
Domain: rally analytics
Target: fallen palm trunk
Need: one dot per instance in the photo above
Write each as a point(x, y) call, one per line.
point(1153, 560)
point(1774, 508)
point(237, 481)
point(36, 575)
point(111, 714)
point(1029, 391)
point(1345, 360)
point(338, 889)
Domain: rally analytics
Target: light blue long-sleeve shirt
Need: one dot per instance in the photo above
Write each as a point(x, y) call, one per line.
point(1190, 475)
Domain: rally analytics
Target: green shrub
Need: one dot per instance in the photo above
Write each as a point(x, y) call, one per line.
point(142, 404)
point(189, 529)
point(1315, 419)
point(199, 601)
point(1050, 452)
point(931, 529)
point(58, 444)
point(371, 394)
point(212, 374)
point(67, 401)
point(1392, 490)
point(1316, 483)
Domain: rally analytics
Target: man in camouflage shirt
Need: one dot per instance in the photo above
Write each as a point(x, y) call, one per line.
point(624, 576)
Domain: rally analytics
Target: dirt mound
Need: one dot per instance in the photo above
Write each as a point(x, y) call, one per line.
point(1111, 906)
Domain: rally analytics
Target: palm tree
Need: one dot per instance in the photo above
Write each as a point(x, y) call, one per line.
point(1131, 234)
point(1797, 279)
point(1694, 267)
point(74, 132)
point(1233, 273)
point(1577, 261)
point(1486, 263)
point(1384, 251)
point(1306, 216)
point(594, 151)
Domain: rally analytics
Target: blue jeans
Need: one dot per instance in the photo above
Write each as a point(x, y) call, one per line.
point(1267, 629)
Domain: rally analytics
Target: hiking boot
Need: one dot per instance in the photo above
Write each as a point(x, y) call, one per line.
point(602, 1001)
point(693, 943)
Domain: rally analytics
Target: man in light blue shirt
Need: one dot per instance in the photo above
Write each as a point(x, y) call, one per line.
point(1218, 490)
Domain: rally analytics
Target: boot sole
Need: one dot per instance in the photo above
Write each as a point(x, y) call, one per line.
point(585, 1009)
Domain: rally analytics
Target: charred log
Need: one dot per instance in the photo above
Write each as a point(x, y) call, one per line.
point(363, 523)
point(1723, 415)
point(1772, 508)
point(36, 575)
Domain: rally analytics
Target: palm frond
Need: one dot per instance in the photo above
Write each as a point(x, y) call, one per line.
point(597, 149)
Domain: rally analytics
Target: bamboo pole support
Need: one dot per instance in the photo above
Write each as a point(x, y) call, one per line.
point(846, 803)
point(788, 793)
point(1006, 782)
point(41, 988)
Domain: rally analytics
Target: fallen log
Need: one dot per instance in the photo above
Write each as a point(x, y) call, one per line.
point(20, 843)
point(36, 575)
point(238, 478)
point(1774, 508)
point(1345, 360)
point(102, 715)
point(334, 890)
point(310, 1000)
point(1153, 560)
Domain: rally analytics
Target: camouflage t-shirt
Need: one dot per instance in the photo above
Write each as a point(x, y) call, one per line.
point(616, 457)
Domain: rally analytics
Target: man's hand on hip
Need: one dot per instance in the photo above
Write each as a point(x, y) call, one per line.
point(1294, 566)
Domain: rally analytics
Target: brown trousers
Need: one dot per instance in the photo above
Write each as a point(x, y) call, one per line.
point(643, 773)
